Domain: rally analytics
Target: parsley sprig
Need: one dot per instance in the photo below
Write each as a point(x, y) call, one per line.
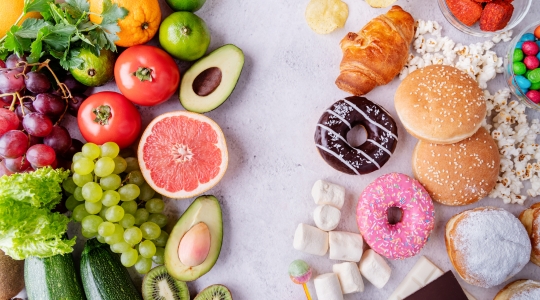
point(63, 31)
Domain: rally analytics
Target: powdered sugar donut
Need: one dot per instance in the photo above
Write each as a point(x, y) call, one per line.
point(395, 215)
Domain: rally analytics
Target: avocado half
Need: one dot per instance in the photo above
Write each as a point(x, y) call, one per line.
point(205, 209)
point(211, 80)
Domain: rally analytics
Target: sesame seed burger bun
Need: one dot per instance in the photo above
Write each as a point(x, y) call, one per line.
point(440, 104)
point(460, 173)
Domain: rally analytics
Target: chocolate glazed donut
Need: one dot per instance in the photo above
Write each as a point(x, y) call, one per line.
point(339, 119)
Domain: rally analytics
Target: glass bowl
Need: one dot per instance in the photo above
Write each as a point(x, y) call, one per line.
point(521, 8)
point(509, 75)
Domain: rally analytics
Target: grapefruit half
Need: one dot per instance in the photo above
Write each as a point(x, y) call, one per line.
point(182, 154)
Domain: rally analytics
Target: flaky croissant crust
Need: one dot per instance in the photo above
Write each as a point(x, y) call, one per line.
point(377, 53)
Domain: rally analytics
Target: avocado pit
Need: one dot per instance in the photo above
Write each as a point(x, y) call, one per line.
point(195, 245)
point(207, 81)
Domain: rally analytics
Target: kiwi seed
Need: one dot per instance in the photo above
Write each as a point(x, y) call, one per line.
point(214, 292)
point(159, 285)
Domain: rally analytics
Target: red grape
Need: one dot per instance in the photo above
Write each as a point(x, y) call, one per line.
point(4, 170)
point(33, 140)
point(7, 121)
point(13, 60)
point(73, 85)
point(13, 144)
point(40, 156)
point(6, 100)
point(11, 81)
point(37, 82)
point(76, 146)
point(28, 108)
point(17, 165)
point(50, 105)
point(37, 124)
point(2, 64)
point(75, 103)
point(58, 139)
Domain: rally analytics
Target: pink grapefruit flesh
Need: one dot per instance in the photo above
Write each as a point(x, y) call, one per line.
point(182, 154)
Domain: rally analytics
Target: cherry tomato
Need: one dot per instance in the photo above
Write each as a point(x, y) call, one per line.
point(109, 117)
point(146, 75)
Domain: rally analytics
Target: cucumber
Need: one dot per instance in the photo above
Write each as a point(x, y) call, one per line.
point(103, 275)
point(52, 278)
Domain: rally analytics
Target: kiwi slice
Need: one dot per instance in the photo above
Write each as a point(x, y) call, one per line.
point(214, 292)
point(159, 285)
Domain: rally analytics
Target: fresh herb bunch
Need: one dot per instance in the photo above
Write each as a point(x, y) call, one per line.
point(63, 31)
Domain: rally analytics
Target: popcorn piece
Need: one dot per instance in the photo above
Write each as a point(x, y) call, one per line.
point(375, 269)
point(328, 193)
point(346, 246)
point(326, 217)
point(327, 287)
point(349, 277)
point(310, 240)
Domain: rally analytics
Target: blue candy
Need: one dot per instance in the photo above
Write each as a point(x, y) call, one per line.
point(527, 37)
point(523, 83)
point(519, 45)
point(538, 43)
point(538, 55)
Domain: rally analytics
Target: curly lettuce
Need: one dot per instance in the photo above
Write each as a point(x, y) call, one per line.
point(27, 225)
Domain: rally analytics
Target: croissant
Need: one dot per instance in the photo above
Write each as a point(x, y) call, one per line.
point(377, 53)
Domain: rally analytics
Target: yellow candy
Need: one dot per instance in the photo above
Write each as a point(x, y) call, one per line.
point(325, 16)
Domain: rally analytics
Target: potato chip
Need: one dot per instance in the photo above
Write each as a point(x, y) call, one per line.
point(325, 16)
point(380, 3)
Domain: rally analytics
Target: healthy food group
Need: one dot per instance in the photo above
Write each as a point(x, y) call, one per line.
point(471, 145)
point(113, 184)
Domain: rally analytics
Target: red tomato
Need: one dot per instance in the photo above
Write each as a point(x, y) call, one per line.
point(146, 75)
point(109, 117)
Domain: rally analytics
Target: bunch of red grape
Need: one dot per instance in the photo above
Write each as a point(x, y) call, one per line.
point(30, 113)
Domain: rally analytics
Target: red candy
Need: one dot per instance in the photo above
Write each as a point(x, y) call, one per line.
point(530, 48)
point(537, 32)
point(534, 96)
point(531, 62)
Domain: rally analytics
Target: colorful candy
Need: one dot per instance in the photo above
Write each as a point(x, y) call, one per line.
point(526, 65)
point(518, 55)
point(300, 273)
point(530, 48)
point(527, 37)
point(537, 32)
point(534, 96)
point(523, 82)
point(519, 68)
point(531, 62)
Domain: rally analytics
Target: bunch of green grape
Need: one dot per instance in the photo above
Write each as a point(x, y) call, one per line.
point(113, 202)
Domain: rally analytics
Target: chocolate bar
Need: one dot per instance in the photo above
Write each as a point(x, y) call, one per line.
point(445, 287)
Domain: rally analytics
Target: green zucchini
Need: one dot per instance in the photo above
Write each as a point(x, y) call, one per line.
point(103, 275)
point(52, 278)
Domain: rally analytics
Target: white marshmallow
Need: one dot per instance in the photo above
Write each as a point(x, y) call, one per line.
point(349, 277)
point(328, 193)
point(326, 217)
point(346, 246)
point(311, 240)
point(374, 268)
point(327, 287)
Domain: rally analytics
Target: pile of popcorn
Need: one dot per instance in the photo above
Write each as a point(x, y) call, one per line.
point(477, 60)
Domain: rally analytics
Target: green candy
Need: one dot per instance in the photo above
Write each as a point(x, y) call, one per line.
point(519, 68)
point(518, 55)
point(535, 86)
point(534, 76)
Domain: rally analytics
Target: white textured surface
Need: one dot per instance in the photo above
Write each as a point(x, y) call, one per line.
point(269, 122)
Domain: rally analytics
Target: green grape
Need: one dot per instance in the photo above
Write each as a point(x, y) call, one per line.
point(103, 212)
point(129, 258)
point(78, 194)
point(133, 235)
point(106, 229)
point(147, 249)
point(120, 247)
point(68, 185)
point(101, 239)
point(127, 221)
point(132, 164)
point(92, 192)
point(81, 180)
point(111, 182)
point(155, 206)
point(104, 167)
point(110, 149)
point(83, 166)
point(141, 216)
point(129, 192)
point(91, 150)
point(78, 156)
point(110, 198)
point(115, 213)
point(79, 213)
point(117, 236)
point(146, 192)
point(159, 257)
point(160, 219)
point(136, 178)
point(143, 265)
point(161, 241)
point(91, 223)
point(120, 165)
point(150, 231)
point(93, 207)
point(129, 207)
point(71, 203)
point(88, 234)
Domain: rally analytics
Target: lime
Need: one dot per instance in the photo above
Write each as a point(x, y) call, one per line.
point(186, 5)
point(184, 35)
point(95, 70)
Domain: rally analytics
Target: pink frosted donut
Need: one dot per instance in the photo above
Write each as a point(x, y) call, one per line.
point(395, 216)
